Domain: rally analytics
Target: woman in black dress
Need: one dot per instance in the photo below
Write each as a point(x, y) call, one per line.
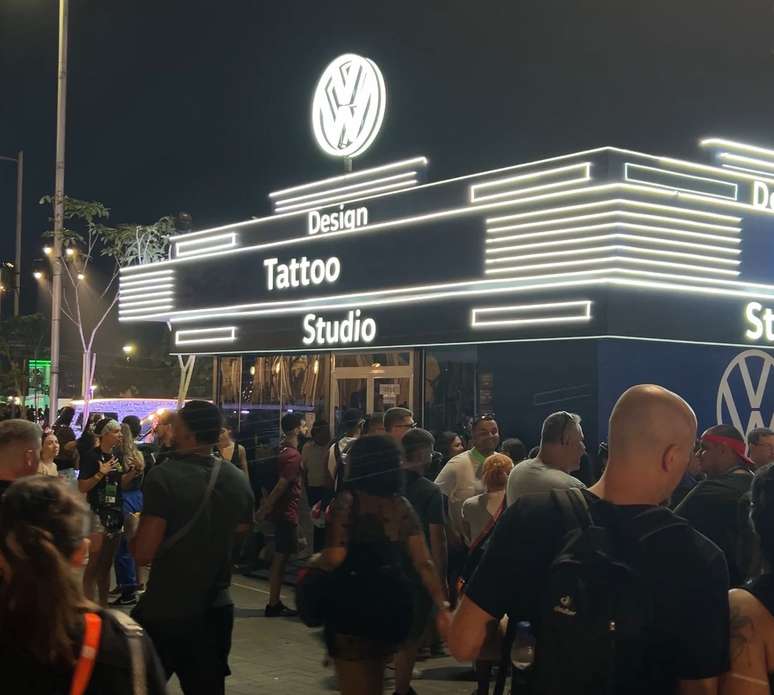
point(375, 548)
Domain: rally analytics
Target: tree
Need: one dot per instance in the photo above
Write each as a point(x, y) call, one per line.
point(22, 338)
point(86, 237)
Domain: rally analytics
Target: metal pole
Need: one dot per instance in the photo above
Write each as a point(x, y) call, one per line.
point(56, 290)
point(17, 269)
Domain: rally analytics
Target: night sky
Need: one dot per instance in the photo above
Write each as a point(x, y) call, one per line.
point(204, 106)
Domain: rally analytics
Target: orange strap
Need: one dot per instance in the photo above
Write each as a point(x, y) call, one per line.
point(85, 665)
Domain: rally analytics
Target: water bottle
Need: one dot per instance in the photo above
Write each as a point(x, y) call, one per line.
point(523, 649)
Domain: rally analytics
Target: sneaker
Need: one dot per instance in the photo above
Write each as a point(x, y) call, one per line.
point(280, 610)
point(129, 600)
point(115, 591)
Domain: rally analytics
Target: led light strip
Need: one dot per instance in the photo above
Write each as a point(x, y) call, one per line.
point(123, 298)
point(123, 292)
point(613, 213)
point(730, 288)
point(521, 270)
point(206, 245)
point(478, 175)
point(480, 287)
point(336, 200)
point(741, 146)
point(677, 174)
point(129, 303)
point(478, 341)
point(195, 336)
point(613, 248)
point(148, 278)
point(671, 161)
point(732, 240)
point(164, 309)
point(761, 174)
point(768, 166)
point(617, 201)
point(575, 240)
point(584, 315)
point(445, 214)
point(514, 193)
point(354, 186)
point(585, 167)
point(416, 161)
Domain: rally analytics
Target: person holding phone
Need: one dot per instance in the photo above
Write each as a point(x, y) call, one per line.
point(101, 475)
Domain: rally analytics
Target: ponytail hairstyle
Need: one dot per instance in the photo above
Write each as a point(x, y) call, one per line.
point(762, 510)
point(42, 523)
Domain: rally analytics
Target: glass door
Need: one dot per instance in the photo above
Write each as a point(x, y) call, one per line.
point(372, 383)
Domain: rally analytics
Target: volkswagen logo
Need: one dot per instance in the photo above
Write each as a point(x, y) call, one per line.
point(348, 106)
point(743, 399)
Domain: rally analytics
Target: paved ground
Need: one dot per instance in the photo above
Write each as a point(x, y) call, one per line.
point(278, 656)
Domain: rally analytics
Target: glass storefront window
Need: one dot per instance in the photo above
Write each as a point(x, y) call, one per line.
point(450, 388)
point(368, 359)
point(257, 390)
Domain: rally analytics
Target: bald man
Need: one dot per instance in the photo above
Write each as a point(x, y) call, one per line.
point(678, 604)
point(20, 442)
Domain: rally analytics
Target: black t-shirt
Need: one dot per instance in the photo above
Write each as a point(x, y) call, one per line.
point(107, 492)
point(64, 435)
point(195, 573)
point(21, 673)
point(427, 499)
point(686, 571)
point(713, 509)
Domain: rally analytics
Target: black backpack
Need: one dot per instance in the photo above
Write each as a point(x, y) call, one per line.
point(597, 612)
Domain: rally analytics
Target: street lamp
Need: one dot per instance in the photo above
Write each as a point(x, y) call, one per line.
point(19, 161)
point(38, 275)
point(56, 288)
point(81, 276)
point(128, 350)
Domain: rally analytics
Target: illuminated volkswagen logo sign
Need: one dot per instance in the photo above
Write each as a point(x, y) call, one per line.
point(348, 106)
point(744, 399)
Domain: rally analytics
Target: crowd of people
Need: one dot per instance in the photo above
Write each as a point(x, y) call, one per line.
point(652, 575)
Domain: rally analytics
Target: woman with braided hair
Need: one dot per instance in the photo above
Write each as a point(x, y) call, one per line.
point(53, 640)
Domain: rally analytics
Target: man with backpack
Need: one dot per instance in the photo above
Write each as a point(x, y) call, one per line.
point(719, 507)
point(622, 596)
point(351, 427)
point(194, 507)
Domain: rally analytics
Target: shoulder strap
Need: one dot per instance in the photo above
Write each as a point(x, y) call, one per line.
point(182, 532)
point(134, 635)
point(85, 663)
point(339, 478)
point(574, 508)
point(487, 530)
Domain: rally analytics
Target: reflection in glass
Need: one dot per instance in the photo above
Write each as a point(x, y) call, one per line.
point(450, 385)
